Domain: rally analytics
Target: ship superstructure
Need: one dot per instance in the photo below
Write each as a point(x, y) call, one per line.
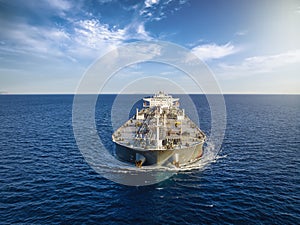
point(159, 134)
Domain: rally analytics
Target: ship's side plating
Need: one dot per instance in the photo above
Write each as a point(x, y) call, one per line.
point(159, 134)
point(161, 157)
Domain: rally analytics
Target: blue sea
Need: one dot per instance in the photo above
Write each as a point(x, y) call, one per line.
point(254, 178)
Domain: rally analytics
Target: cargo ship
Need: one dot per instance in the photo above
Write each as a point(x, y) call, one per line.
point(159, 134)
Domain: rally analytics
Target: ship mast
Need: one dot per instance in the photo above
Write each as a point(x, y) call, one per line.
point(157, 129)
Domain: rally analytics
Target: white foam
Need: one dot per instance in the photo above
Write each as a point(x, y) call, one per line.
point(210, 156)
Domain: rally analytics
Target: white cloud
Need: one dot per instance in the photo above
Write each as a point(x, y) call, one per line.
point(150, 3)
point(78, 40)
point(136, 30)
point(23, 38)
point(262, 64)
point(92, 38)
point(91, 33)
point(214, 51)
point(156, 10)
point(83, 39)
point(241, 33)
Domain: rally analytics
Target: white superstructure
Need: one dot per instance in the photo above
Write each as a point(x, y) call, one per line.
point(162, 100)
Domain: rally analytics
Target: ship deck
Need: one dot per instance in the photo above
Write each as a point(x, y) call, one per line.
point(174, 134)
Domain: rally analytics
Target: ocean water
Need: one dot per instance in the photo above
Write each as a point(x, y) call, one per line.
point(254, 179)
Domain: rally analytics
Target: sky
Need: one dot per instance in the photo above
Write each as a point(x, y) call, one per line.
point(251, 47)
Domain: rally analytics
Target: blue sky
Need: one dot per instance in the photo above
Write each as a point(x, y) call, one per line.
point(250, 46)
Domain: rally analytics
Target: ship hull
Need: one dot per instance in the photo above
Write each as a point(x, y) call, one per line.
point(178, 157)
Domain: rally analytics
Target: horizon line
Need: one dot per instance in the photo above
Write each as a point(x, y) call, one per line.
point(115, 93)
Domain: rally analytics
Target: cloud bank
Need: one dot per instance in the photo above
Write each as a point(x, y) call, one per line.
point(262, 64)
point(214, 51)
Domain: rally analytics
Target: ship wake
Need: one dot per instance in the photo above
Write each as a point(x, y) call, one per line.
point(115, 166)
